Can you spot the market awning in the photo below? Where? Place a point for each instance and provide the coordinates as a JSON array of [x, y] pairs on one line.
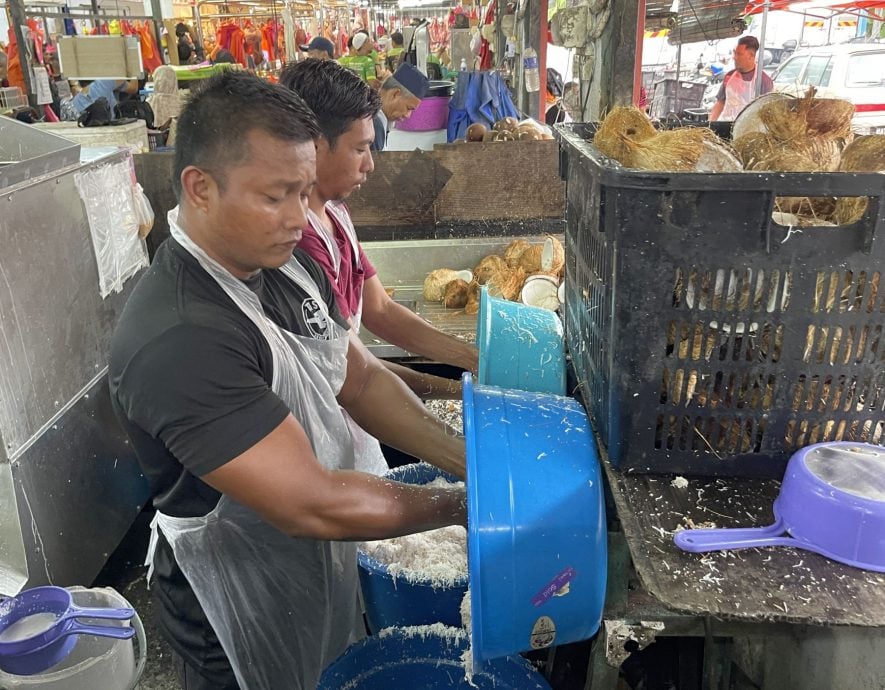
[[707, 20], [756, 6]]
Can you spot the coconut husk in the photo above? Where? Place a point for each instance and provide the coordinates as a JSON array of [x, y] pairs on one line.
[[514, 250], [530, 260], [786, 159], [456, 293], [552, 256], [753, 147], [864, 154], [678, 149], [472, 306], [622, 123], [819, 207], [849, 210], [487, 267], [435, 283], [830, 118], [786, 120], [507, 283]]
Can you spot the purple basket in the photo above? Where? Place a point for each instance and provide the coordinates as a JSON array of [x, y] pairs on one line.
[[432, 113]]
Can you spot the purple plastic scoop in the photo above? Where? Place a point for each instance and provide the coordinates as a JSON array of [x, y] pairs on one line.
[[832, 502]]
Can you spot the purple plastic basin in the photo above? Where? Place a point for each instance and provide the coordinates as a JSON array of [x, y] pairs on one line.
[[832, 502], [45, 648], [432, 113]]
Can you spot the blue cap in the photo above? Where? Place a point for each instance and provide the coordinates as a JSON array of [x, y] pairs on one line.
[[411, 79], [320, 43]]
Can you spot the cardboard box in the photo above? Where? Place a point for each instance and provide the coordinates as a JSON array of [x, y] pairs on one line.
[[100, 57]]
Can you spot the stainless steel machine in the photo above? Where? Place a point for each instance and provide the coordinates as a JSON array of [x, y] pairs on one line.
[[69, 483]]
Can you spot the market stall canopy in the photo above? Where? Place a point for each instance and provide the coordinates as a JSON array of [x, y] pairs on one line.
[[757, 6], [695, 20]]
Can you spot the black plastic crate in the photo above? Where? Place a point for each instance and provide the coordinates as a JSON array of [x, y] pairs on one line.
[[675, 96], [708, 339]]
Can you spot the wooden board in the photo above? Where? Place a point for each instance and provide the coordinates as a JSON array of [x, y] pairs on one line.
[[100, 57], [758, 585]]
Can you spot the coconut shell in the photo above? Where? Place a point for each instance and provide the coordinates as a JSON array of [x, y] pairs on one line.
[[456, 294], [489, 135], [487, 267], [785, 159], [622, 123], [864, 154], [552, 256], [435, 283], [530, 259], [507, 283], [785, 119], [677, 150], [506, 124], [514, 250], [717, 157], [476, 131]]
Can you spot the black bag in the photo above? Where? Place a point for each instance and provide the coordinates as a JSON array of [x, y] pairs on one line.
[[97, 114], [137, 109]]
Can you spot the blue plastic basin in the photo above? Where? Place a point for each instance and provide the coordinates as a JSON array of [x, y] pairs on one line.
[[394, 601], [402, 660], [520, 346], [536, 539]]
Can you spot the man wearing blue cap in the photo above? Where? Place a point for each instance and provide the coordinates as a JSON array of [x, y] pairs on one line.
[[320, 48], [400, 95]]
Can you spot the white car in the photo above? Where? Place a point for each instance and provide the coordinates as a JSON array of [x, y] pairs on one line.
[[853, 71]]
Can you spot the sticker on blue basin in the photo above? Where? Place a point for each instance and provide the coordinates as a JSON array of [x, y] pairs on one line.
[[554, 587]]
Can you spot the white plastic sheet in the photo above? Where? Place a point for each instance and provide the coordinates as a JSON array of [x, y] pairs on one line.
[[108, 195]]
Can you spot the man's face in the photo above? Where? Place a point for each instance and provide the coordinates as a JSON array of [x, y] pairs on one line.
[[744, 58], [257, 217], [318, 54], [397, 104], [342, 169], [365, 48]]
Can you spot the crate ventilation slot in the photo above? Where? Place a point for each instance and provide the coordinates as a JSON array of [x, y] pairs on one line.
[[732, 290]]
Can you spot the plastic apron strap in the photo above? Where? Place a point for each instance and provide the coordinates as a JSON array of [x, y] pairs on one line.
[[152, 548]]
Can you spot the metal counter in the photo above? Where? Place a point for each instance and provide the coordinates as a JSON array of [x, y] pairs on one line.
[[403, 265], [69, 482]]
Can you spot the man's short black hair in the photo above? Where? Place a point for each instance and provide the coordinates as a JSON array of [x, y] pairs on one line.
[[215, 122], [397, 38], [750, 42], [336, 95]]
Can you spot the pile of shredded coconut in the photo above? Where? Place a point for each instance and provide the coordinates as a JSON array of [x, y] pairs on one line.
[[438, 557], [449, 411]]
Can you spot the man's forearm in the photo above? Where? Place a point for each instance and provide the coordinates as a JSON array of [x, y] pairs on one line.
[[426, 386], [403, 328], [392, 413], [716, 111]]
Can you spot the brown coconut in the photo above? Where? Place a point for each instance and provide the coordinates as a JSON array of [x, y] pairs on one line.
[[530, 259], [820, 207], [506, 124], [507, 283], [435, 283], [754, 147], [472, 306], [864, 154], [677, 150], [622, 123], [514, 250], [830, 117], [456, 294], [786, 119], [487, 267]]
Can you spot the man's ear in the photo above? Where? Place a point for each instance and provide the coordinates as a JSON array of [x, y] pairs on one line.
[[198, 187]]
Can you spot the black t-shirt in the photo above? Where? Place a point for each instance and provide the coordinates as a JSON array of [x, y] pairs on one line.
[[190, 374]]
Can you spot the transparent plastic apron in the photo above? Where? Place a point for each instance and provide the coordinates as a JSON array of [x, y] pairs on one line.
[[367, 451], [283, 608], [738, 95]]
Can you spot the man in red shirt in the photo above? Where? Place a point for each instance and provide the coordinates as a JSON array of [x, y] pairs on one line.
[[739, 85], [345, 107]]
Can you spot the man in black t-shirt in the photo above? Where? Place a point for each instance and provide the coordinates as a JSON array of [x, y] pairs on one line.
[[194, 376]]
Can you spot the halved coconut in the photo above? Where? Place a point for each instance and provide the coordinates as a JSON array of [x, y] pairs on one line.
[[540, 291], [552, 256]]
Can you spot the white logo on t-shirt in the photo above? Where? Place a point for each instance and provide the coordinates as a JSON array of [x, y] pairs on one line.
[[316, 319]]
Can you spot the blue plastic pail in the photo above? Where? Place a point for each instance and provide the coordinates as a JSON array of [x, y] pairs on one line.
[[536, 533], [394, 601], [520, 346], [407, 660]]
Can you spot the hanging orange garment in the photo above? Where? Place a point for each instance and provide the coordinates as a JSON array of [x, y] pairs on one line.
[[237, 46], [150, 53], [14, 73]]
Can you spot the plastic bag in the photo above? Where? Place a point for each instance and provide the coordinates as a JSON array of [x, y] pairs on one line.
[[144, 213]]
